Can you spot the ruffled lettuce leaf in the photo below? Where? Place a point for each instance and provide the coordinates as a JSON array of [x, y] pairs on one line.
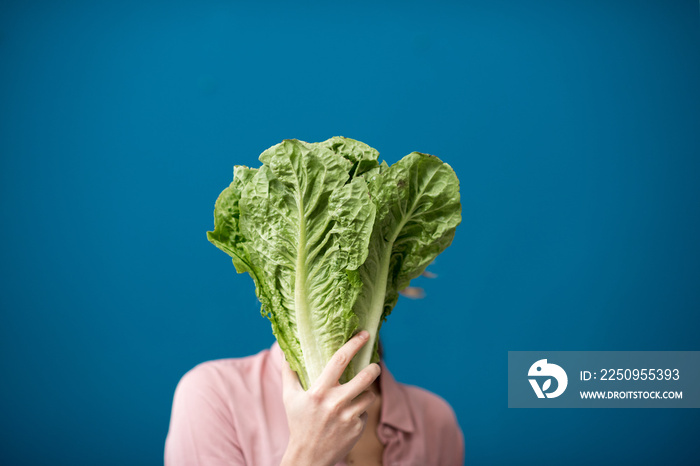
[[418, 210], [304, 232]]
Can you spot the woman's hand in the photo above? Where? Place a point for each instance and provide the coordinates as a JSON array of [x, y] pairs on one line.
[[326, 421]]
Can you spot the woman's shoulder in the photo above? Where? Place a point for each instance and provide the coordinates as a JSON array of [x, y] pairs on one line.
[[217, 407], [226, 374]]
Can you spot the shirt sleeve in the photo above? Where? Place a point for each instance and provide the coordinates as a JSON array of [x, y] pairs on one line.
[[201, 427]]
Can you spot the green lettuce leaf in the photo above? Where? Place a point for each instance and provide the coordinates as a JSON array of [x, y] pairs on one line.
[[418, 209], [363, 157], [306, 231]]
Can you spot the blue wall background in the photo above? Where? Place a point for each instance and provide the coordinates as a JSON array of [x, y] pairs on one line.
[[574, 128]]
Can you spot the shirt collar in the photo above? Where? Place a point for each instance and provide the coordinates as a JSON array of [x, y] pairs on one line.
[[396, 411]]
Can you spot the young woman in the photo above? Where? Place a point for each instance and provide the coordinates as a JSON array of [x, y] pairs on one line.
[[253, 411]]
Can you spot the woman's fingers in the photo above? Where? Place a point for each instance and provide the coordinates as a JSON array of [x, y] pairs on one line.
[[361, 382], [360, 404], [336, 366]]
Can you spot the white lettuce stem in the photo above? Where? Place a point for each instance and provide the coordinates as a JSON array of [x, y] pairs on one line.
[[376, 309], [313, 358]]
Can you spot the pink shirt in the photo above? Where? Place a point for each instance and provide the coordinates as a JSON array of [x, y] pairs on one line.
[[230, 412]]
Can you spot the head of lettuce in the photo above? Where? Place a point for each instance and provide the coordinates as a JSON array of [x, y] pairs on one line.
[[330, 236]]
